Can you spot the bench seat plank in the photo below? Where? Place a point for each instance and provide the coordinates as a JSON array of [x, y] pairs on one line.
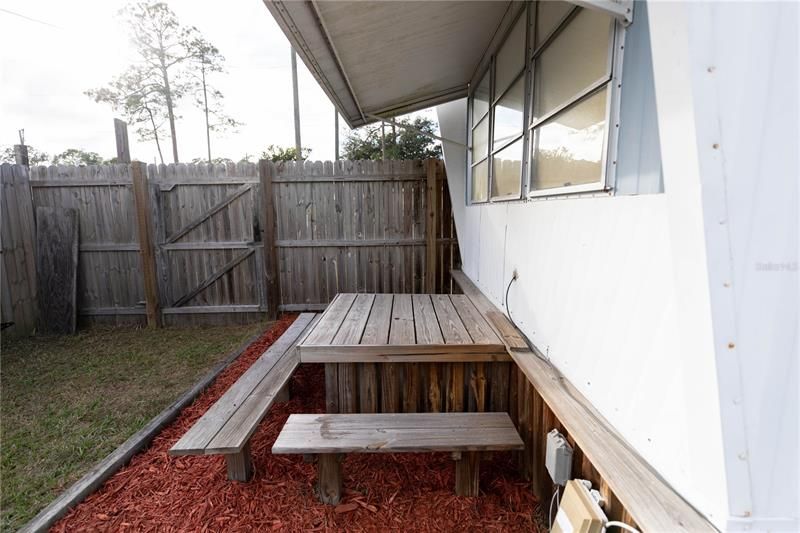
[[197, 439], [403, 432]]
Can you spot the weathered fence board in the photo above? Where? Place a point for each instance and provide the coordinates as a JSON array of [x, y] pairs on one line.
[[18, 267], [57, 269], [103, 196]]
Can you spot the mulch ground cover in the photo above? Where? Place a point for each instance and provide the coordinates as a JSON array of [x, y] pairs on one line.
[[403, 492]]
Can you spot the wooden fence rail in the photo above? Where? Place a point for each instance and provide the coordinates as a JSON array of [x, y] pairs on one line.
[[186, 243]]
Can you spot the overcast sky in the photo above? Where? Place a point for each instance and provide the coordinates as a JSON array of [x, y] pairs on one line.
[[49, 62]]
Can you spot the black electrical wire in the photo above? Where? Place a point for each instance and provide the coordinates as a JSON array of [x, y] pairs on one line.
[[531, 347]]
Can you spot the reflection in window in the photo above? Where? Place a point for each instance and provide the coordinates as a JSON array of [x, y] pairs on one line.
[[480, 182], [507, 168], [480, 103], [550, 14], [480, 140], [573, 61], [511, 57], [508, 114], [568, 149]]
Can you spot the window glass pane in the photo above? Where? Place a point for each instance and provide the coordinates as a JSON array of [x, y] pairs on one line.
[[507, 167], [508, 114], [511, 57], [568, 149], [549, 15], [573, 61], [480, 140], [480, 102], [480, 181]]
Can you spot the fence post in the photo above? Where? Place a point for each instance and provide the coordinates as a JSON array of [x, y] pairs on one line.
[[267, 228], [144, 224], [432, 166], [121, 137], [21, 154]]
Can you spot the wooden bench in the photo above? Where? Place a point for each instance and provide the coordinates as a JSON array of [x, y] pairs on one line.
[[226, 428], [329, 436]]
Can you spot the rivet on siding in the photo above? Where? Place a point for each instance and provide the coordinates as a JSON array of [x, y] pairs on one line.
[[742, 456], [726, 284], [715, 146], [736, 401], [711, 69], [731, 346]]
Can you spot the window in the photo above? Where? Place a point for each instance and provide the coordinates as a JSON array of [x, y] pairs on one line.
[[555, 138], [571, 73], [480, 141], [497, 155]]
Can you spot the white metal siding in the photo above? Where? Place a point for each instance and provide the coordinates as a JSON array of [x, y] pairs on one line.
[[638, 154]]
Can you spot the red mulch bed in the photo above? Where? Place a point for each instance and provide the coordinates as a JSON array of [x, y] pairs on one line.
[[156, 492]]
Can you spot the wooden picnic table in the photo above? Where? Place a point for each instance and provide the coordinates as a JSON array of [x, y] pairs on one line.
[[368, 328], [434, 350]]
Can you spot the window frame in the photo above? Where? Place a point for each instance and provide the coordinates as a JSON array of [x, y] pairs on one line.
[[612, 79]]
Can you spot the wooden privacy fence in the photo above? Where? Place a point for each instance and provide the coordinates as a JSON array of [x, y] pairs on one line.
[[361, 226], [185, 243]]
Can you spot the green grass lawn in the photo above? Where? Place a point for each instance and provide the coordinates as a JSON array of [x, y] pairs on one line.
[[67, 402]]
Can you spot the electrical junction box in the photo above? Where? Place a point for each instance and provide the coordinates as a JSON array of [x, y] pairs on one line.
[[578, 512], [558, 458]]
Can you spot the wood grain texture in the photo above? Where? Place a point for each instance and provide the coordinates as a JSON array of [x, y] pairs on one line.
[[145, 233], [329, 480], [18, 304], [399, 432], [57, 269], [228, 424]]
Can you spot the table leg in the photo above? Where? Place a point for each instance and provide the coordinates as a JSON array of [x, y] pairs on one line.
[[329, 484], [240, 465], [467, 473]]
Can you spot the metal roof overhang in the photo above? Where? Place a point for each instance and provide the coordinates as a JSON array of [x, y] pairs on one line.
[[382, 59]]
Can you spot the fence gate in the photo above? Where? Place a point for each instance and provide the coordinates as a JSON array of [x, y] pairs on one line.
[[208, 253]]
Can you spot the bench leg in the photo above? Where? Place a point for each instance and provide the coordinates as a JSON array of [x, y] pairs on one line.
[[240, 465], [283, 394], [329, 484], [467, 473]]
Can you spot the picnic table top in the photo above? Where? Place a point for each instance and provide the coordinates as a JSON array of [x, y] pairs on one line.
[[401, 328]]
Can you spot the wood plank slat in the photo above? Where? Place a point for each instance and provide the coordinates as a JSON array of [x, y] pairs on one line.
[[378, 324], [453, 330], [389, 433], [206, 428], [479, 330], [426, 324], [402, 326], [352, 328], [331, 320], [415, 353]]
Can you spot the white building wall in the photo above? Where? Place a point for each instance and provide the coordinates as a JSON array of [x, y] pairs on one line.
[[598, 294], [727, 77], [676, 313]]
